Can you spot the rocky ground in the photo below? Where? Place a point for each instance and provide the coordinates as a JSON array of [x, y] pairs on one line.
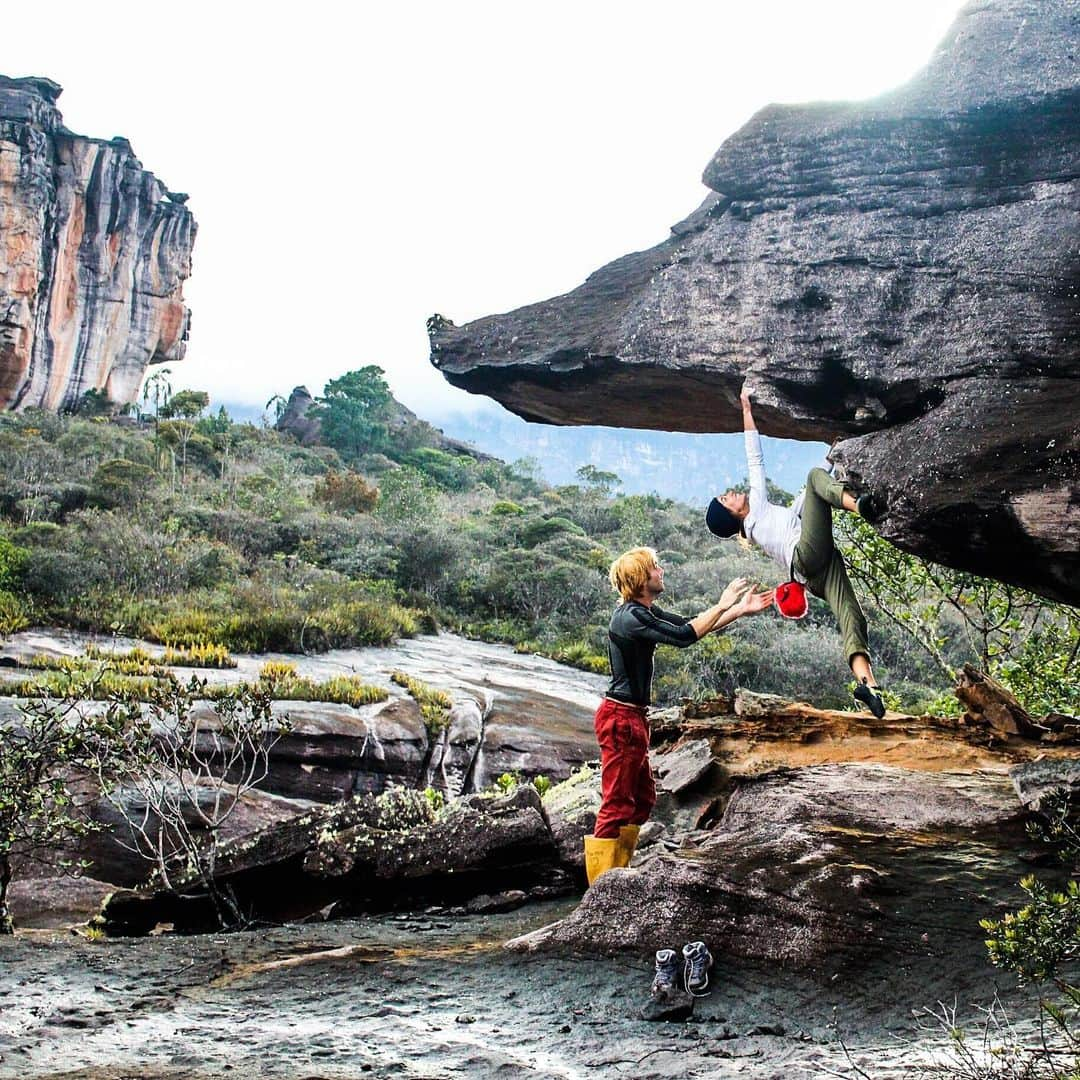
[[837, 865], [427, 996]]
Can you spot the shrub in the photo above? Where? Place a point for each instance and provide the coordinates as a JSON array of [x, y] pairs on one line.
[[450, 472], [536, 532], [121, 483], [346, 492], [14, 613]]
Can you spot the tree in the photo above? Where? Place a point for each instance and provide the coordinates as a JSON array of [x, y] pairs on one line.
[[94, 403], [603, 482], [40, 756], [188, 404], [158, 389], [180, 413], [188, 775], [279, 405], [354, 412], [1027, 643]]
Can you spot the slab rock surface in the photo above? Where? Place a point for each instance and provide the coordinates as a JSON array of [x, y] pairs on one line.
[[900, 274], [94, 251]]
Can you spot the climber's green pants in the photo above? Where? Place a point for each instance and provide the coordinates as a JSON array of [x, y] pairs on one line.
[[817, 559]]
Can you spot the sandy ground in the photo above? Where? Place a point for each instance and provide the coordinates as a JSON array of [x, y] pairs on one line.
[[425, 996]]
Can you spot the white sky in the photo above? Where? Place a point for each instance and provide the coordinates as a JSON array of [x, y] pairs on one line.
[[354, 168]]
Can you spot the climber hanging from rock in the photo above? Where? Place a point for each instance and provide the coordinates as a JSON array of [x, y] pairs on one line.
[[800, 539], [638, 625]]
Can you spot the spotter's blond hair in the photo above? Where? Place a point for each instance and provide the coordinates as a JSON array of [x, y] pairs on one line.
[[630, 571]]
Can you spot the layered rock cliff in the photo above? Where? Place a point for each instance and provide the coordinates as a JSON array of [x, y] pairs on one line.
[[93, 256], [901, 274]]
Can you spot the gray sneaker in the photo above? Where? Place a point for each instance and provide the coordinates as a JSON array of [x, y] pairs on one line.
[[697, 962], [666, 979]]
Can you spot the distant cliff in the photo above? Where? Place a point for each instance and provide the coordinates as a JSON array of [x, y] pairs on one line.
[[690, 468], [93, 256]]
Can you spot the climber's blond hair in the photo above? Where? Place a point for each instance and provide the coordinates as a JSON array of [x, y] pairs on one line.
[[630, 571]]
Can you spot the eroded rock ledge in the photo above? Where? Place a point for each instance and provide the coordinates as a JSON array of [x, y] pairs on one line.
[[783, 833], [900, 273], [94, 252]]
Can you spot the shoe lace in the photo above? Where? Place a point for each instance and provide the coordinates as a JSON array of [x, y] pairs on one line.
[[697, 968]]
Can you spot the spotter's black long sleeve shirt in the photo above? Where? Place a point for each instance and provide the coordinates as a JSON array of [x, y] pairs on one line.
[[633, 635]]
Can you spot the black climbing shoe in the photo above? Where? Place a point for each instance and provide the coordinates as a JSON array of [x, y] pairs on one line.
[[870, 696], [697, 961], [666, 980], [869, 508]]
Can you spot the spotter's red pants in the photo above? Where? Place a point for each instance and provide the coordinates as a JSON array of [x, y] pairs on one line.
[[626, 784]]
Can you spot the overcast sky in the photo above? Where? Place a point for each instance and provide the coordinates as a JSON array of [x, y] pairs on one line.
[[354, 168]]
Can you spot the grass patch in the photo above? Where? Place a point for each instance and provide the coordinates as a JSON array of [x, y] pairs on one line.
[[434, 704], [577, 654], [280, 680], [199, 656], [80, 684], [96, 685]]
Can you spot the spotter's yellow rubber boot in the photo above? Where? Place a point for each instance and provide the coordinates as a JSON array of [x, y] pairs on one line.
[[628, 835], [601, 855]]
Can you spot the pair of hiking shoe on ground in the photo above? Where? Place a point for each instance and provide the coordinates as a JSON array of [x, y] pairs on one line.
[[689, 972]]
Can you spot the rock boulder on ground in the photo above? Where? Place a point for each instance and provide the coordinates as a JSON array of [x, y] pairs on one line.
[[815, 867], [370, 853]]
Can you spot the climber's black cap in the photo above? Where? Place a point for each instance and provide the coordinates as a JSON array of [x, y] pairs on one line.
[[721, 520]]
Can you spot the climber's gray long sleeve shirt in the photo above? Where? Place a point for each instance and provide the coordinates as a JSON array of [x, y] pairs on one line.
[[775, 529]]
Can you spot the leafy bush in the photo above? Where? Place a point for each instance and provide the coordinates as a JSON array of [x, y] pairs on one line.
[[450, 472], [346, 492], [120, 482], [14, 613], [536, 532]]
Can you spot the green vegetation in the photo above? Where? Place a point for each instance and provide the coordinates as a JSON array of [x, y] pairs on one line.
[[434, 704], [234, 538], [135, 675], [280, 680], [39, 810], [1028, 644]]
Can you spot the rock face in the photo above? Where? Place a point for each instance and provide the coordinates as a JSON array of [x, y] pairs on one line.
[[366, 854], [93, 256], [900, 273]]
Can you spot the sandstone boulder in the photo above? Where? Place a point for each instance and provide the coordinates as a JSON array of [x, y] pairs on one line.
[[366, 854], [898, 273], [818, 867]]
